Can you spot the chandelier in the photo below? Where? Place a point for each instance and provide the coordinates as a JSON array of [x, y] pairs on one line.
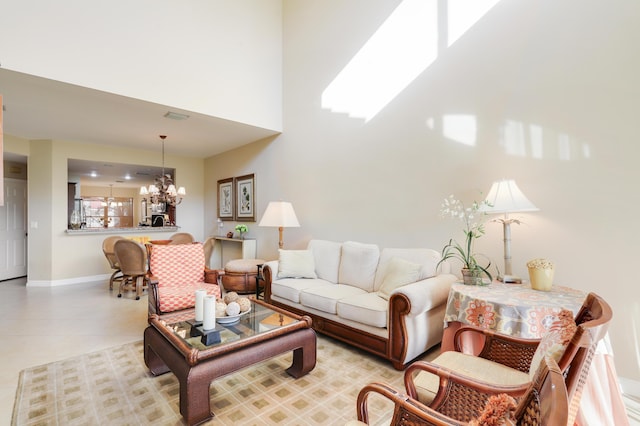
[[163, 190]]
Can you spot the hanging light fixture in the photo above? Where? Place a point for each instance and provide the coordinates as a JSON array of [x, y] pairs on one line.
[[163, 190]]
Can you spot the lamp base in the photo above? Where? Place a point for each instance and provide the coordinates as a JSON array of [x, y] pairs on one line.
[[510, 279]]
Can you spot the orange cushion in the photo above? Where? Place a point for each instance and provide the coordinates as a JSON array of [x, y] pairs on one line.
[[175, 298], [177, 264], [555, 341]]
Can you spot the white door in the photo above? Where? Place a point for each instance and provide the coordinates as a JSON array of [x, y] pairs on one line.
[[13, 230]]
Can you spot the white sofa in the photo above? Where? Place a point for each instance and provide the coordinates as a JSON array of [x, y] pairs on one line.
[[390, 302]]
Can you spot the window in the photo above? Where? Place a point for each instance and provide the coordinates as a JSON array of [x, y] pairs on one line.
[[108, 212]]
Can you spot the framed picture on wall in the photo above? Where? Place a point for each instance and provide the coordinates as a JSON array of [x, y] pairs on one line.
[[245, 198], [225, 198]]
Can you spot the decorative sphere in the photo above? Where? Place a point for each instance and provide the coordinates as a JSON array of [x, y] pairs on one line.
[[221, 309], [233, 309], [232, 296], [244, 303]]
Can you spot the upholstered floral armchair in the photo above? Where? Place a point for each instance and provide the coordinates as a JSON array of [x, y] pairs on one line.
[[177, 271]]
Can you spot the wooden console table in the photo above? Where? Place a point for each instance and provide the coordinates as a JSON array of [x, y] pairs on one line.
[[226, 249]]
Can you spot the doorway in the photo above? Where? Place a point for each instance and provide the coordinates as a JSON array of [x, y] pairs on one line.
[[13, 230]]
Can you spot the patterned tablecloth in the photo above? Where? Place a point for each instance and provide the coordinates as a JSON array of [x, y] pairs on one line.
[[514, 309]]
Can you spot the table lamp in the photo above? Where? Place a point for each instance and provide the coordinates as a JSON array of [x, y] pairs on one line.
[[280, 214], [505, 197]]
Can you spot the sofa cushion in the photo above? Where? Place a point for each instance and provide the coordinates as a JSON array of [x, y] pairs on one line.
[[477, 368], [296, 264], [398, 273], [325, 299], [427, 258], [367, 308], [327, 258], [358, 265], [175, 298], [290, 288]]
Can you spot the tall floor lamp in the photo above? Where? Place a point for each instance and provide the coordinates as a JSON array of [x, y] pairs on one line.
[[505, 197], [280, 214]]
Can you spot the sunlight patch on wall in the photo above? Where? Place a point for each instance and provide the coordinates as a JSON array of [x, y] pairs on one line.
[[400, 50], [532, 140], [404, 45], [463, 14], [537, 144], [513, 138], [460, 128]]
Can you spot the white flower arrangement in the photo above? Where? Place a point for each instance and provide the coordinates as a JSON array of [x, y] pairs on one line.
[[473, 229]]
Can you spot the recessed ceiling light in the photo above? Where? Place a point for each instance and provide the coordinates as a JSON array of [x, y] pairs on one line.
[[176, 116]]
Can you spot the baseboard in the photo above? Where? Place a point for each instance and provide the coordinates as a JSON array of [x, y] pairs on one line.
[[629, 386], [67, 281]]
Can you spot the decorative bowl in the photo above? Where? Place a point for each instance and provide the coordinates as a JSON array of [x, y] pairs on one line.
[[231, 319]]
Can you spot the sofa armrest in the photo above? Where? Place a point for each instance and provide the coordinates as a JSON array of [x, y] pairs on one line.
[[269, 273], [428, 293]]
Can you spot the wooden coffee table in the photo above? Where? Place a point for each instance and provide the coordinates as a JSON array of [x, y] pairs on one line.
[[263, 333]]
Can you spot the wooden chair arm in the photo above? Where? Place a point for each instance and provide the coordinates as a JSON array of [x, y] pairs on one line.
[[458, 396], [514, 352], [212, 276], [406, 409]]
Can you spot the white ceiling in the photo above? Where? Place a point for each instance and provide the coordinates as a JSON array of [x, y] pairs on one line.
[[39, 108]]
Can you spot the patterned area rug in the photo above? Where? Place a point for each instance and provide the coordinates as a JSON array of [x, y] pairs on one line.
[[114, 387]]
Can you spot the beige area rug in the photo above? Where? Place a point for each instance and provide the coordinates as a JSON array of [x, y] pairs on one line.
[[114, 387]]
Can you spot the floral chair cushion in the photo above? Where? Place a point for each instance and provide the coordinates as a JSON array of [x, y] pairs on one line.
[[555, 341]]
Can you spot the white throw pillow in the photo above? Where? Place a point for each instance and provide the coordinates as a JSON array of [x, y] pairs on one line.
[[296, 264], [399, 272]]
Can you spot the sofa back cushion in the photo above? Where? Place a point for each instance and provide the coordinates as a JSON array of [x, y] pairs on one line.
[[358, 265], [326, 255], [427, 258], [175, 265], [399, 273]]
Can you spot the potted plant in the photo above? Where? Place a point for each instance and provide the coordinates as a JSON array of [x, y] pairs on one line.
[[242, 229], [472, 271]]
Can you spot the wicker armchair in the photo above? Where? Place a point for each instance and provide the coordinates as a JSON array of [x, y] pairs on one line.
[[544, 402], [503, 363], [109, 252], [132, 259], [181, 238], [177, 271]]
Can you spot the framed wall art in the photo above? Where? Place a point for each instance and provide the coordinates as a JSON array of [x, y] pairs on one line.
[[245, 198], [225, 199]]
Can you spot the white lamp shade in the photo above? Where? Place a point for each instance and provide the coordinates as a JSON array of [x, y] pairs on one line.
[[143, 190], [279, 214], [506, 197]]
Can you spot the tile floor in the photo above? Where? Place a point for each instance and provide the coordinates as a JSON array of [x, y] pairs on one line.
[[42, 325]]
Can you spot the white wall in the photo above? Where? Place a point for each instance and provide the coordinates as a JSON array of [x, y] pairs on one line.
[[553, 91], [217, 58]]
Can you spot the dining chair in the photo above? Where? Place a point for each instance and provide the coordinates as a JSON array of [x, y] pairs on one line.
[[181, 238], [544, 402], [209, 245], [132, 258], [504, 362], [108, 250]]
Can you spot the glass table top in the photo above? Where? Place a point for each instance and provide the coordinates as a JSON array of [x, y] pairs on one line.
[[259, 320]]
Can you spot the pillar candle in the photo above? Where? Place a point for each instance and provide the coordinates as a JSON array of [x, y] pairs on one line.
[[200, 294], [209, 320]]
